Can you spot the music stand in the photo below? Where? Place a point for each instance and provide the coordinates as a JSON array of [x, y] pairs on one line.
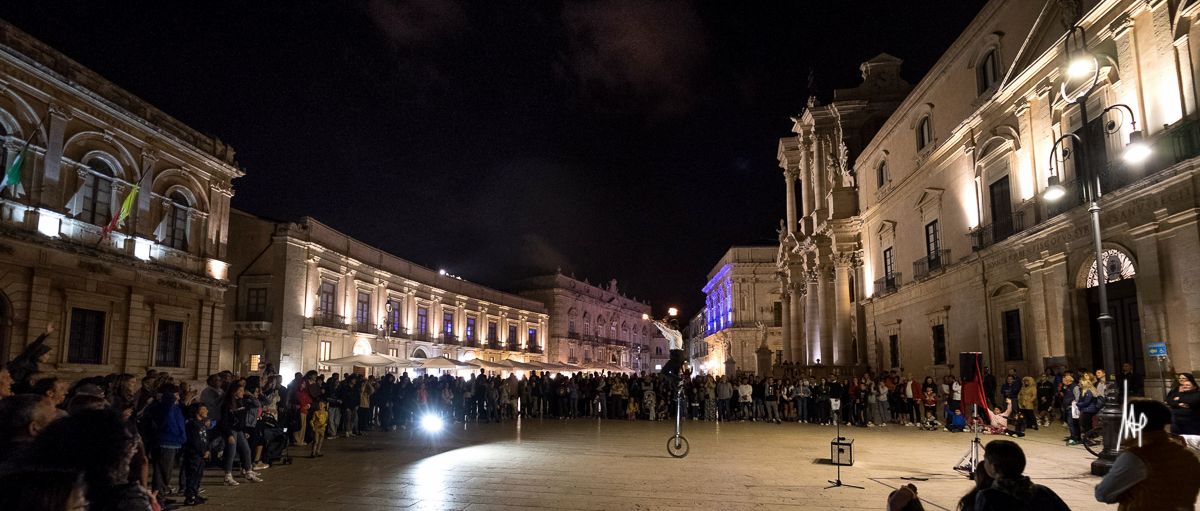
[[835, 405]]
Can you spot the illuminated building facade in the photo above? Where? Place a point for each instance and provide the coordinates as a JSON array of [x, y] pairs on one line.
[[594, 327], [149, 294], [742, 291], [954, 184], [308, 293]]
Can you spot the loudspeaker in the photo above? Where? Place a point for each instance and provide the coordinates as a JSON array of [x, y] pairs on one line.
[[968, 363], [841, 451]]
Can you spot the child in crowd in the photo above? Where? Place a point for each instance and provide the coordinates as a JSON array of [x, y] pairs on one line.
[[958, 423], [319, 419], [631, 410], [195, 451], [931, 423]]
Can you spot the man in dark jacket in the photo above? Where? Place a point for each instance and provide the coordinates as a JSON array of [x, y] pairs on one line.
[[1005, 462], [195, 451], [166, 417], [989, 388]]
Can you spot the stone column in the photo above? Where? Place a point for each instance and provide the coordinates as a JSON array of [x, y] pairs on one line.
[[812, 312], [785, 299], [789, 178], [1130, 89], [820, 190], [842, 351], [825, 300], [799, 352], [806, 186]]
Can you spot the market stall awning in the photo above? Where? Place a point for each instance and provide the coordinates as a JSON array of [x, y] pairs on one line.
[[371, 360]]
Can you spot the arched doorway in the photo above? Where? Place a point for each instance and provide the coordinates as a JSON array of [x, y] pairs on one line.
[[419, 353], [1120, 271]]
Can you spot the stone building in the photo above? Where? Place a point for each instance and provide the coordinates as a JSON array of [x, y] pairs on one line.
[[741, 307], [820, 242], [152, 292], [954, 183], [591, 326], [307, 293]]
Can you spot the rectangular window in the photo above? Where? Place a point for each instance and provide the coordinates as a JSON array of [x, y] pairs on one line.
[[326, 353], [1014, 349], [393, 315], [492, 336], [86, 344], [168, 351], [256, 304], [778, 312], [325, 299], [422, 320], [470, 329], [933, 245], [448, 323], [255, 360], [532, 342], [571, 326], [362, 309], [511, 341], [393, 352], [894, 344], [889, 263], [1002, 215], [939, 344]]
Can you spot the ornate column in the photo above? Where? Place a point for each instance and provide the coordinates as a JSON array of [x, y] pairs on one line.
[[842, 351], [798, 286], [812, 312], [825, 301], [789, 177], [785, 299], [806, 163]]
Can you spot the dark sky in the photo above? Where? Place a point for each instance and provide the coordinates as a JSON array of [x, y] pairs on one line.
[[626, 139]]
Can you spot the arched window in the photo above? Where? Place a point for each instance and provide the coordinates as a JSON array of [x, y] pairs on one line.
[[987, 72], [177, 227], [924, 133], [97, 193], [881, 174]]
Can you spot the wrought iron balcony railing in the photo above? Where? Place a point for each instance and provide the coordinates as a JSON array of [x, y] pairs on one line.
[[888, 284], [365, 328], [329, 321], [924, 266]]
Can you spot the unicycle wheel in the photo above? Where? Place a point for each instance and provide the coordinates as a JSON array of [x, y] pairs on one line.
[[677, 446]]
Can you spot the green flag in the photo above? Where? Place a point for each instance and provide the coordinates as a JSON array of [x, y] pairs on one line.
[[12, 176]]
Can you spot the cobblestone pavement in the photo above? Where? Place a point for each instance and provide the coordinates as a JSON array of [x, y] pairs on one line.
[[594, 465]]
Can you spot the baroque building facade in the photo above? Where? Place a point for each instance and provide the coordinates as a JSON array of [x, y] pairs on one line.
[[151, 293], [741, 326], [595, 327], [307, 293], [954, 183], [819, 256]]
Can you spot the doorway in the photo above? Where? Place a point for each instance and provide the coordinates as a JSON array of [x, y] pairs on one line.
[[1127, 329]]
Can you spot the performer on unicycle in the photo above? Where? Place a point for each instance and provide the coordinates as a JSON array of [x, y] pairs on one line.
[[674, 337]]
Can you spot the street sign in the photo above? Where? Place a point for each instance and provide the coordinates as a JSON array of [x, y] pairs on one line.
[[1157, 349]]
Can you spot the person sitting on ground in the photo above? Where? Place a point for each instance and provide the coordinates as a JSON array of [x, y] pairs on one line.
[[930, 423], [1151, 474], [958, 423], [1005, 462]]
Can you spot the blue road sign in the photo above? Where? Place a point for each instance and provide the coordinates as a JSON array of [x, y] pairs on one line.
[[1157, 349]]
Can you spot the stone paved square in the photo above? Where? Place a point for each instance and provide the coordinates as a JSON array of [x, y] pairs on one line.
[[596, 465]]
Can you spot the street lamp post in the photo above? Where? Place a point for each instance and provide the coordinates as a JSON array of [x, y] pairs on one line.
[[1084, 65]]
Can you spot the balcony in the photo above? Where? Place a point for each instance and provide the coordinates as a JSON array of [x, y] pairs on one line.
[[573, 360], [365, 328], [572, 335], [423, 337], [888, 284], [252, 322], [924, 266], [329, 321], [395, 331], [450, 339], [493, 343], [471, 342], [990, 234], [533, 348], [589, 338]]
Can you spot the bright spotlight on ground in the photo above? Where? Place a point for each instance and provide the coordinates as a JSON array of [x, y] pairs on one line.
[[431, 423]]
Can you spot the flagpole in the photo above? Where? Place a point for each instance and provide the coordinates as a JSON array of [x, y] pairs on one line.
[[15, 168], [117, 216]]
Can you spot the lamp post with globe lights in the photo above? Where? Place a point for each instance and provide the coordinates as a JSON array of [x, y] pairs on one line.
[[1083, 73]]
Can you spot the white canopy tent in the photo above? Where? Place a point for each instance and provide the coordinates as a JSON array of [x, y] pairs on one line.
[[370, 360]]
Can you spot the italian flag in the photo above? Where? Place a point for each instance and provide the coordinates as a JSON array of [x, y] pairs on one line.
[[118, 219], [12, 175]]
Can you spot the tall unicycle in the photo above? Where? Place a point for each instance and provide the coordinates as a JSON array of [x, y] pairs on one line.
[[677, 446]]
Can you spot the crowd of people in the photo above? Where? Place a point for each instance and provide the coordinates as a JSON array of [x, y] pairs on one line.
[[126, 442]]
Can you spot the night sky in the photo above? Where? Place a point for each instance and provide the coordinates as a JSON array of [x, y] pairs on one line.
[[620, 139]]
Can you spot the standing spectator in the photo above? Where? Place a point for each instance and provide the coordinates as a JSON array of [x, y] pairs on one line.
[[300, 401], [1045, 398], [1184, 401], [319, 418], [52, 390], [1152, 473], [771, 400], [195, 451], [955, 395], [233, 428], [1009, 390], [1005, 462], [1088, 403], [1070, 411], [989, 386], [367, 389], [1135, 381], [1027, 400], [212, 396], [22, 417], [169, 436], [724, 394], [801, 394], [746, 399], [334, 405]]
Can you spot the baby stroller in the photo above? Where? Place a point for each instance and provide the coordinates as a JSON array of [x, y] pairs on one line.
[[275, 441]]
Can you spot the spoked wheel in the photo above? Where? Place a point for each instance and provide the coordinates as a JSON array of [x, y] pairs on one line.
[[1093, 441], [677, 446]]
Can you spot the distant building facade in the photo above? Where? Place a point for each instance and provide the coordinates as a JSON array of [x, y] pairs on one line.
[[953, 183], [307, 293], [594, 327], [150, 294], [741, 307]]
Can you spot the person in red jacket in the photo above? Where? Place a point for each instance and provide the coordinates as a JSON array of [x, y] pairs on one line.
[[301, 402]]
